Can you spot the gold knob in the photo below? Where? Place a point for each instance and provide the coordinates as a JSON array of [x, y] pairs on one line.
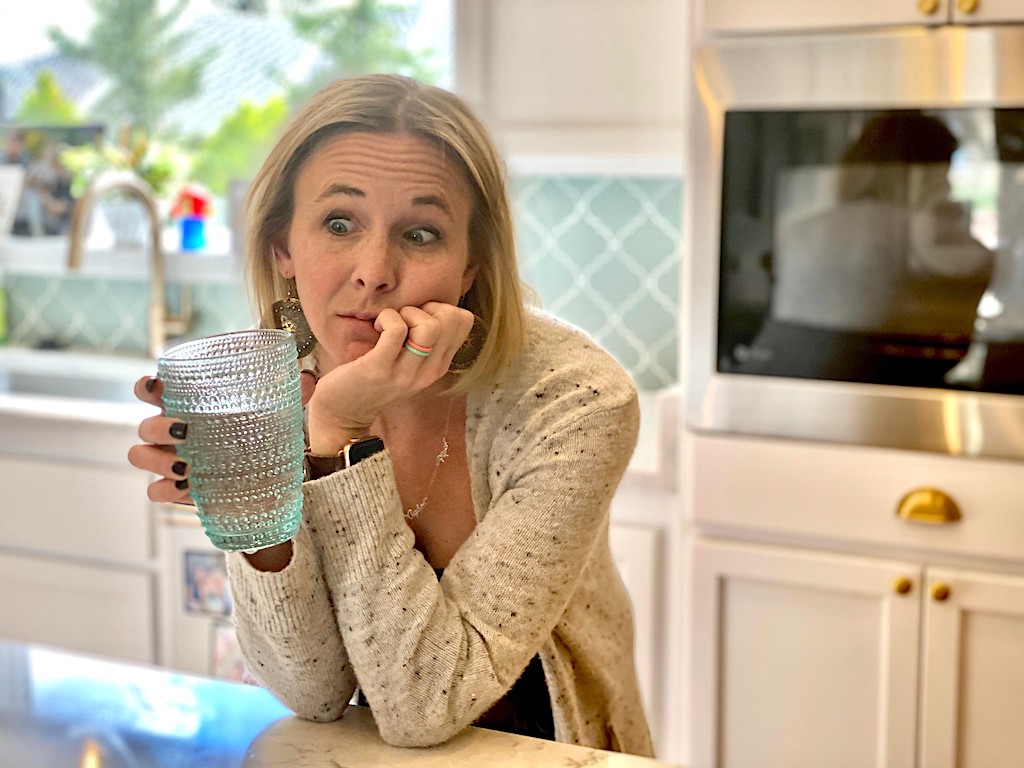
[[928, 505], [967, 6], [902, 585], [928, 7], [940, 592]]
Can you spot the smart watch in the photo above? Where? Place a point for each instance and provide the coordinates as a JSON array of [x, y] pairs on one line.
[[354, 451]]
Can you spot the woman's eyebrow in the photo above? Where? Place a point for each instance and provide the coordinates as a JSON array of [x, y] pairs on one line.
[[340, 189], [434, 200]]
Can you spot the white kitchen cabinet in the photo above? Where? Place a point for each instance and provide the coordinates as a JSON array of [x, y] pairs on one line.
[[576, 77], [828, 630], [637, 553], [802, 659], [755, 16], [973, 692], [806, 658], [77, 560], [91, 608]]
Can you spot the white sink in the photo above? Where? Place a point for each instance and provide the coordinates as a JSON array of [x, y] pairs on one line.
[[71, 374]]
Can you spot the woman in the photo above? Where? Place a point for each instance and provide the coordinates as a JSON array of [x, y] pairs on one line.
[[456, 565]]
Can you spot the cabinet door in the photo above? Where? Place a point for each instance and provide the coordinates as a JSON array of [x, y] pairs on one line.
[[973, 670], [577, 77], [986, 11], [739, 16], [802, 659], [636, 552], [105, 611]]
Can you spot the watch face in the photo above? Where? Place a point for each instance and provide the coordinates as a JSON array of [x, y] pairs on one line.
[[364, 449]]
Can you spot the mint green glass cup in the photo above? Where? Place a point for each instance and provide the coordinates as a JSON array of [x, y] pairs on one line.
[[240, 394]]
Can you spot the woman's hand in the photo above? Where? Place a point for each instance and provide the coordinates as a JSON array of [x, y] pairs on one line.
[[156, 455], [161, 434], [348, 399]]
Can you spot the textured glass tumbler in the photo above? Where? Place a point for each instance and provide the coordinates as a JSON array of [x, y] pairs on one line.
[[240, 394]]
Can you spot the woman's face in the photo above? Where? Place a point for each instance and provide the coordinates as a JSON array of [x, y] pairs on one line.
[[381, 220]]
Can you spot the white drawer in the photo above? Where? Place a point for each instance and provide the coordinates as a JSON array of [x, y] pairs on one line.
[[95, 511], [106, 611], [849, 495]]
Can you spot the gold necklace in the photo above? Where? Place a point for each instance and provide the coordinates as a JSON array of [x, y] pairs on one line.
[[413, 512]]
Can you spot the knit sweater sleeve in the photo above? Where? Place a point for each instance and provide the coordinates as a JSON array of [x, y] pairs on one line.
[[287, 633], [431, 656]]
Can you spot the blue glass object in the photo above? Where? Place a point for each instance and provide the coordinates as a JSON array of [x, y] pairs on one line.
[[193, 233], [240, 394]]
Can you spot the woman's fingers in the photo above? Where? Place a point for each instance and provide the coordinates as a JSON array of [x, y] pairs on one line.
[[163, 430], [169, 491], [149, 389], [161, 460], [455, 324], [307, 380]]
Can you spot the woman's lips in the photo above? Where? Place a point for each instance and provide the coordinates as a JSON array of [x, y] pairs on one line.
[[359, 323]]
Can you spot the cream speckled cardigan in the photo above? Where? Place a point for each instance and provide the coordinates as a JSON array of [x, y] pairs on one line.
[[546, 451]]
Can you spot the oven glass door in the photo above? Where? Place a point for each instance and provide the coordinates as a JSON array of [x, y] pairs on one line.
[[879, 246]]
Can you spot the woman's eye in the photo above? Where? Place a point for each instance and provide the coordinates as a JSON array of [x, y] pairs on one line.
[[423, 235], [339, 225]]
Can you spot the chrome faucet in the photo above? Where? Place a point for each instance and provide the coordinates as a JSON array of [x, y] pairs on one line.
[[162, 323]]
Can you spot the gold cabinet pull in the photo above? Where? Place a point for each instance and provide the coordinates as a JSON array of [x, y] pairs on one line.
[[928, 505], [928, 7], [940, 592], [967, 6], [901, 585]]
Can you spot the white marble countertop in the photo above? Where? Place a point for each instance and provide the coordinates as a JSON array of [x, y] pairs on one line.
[[58, 709], [353, 742]]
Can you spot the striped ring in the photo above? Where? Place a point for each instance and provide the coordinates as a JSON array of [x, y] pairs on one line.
[[416, 349]]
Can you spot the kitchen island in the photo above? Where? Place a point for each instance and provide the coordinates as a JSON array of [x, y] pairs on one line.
[[62, 709]]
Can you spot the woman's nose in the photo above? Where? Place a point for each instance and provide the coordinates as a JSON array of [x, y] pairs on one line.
[[375, 267]]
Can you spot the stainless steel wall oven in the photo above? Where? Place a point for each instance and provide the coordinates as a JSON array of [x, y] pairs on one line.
[[856, 239]]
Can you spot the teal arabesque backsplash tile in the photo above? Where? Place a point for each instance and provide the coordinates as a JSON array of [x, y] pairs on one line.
[[603, 252], [109, 314]]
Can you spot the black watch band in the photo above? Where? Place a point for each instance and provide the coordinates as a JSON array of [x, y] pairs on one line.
[[354, 451]]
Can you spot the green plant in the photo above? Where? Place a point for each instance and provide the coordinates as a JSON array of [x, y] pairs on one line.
[[136, 43], [238, 146], [46, 103], [160, 165]]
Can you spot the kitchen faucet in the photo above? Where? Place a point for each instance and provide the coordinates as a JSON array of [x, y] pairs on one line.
[[162, 323]]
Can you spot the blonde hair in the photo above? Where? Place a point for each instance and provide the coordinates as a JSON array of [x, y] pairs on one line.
[[396, 104]]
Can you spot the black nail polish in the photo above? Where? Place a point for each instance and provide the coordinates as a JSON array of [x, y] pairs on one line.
[[179, 430], [150, 383], [181, 485], [179, 468]]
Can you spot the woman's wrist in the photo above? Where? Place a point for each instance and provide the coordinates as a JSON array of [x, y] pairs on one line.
[[271, 559]]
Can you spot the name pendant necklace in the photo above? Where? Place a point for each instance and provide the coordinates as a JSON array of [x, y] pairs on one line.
[[413, 512]]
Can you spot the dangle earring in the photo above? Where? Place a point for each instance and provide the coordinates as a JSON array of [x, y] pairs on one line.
[[467, 354], [288, 316]]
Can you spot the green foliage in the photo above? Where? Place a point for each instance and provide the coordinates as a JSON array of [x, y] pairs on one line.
[[132, 42], [159, 164], [362, 37], [239, 145], [46, 104]]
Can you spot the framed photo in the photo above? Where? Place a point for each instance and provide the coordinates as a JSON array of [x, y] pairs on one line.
[[206, 583]]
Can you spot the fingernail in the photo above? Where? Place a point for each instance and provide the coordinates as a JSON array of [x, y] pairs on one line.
[[179, 468], [181, 485], [178, 430], [150, 383]]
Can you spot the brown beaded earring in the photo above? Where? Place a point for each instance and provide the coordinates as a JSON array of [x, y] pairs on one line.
[[288, 316], [470, 349]]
